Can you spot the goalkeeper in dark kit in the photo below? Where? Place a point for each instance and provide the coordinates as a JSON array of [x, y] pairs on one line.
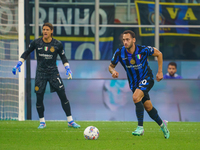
[[47, 48]]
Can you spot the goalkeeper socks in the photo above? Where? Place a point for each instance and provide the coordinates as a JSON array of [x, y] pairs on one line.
[[139, 112], [40, 105], [69, 118], [42, 119], [64, 102], [154, 115]]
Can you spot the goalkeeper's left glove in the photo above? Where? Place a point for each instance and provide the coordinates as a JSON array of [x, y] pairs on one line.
[[17, 67], [69, 72]]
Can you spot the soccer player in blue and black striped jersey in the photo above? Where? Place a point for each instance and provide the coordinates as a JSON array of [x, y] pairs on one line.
[[134, 60]]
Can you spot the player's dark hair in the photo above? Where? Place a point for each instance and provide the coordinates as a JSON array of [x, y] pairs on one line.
[[130, 32], [48, 25], [172, 64]]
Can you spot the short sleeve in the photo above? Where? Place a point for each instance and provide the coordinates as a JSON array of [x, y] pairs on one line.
[[115, 58], [150, 50]]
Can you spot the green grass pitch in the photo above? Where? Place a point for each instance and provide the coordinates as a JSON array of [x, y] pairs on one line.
[[24, 135]]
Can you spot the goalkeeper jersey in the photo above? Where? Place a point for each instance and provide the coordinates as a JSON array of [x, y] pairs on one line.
[[46, 54], [135, 65]]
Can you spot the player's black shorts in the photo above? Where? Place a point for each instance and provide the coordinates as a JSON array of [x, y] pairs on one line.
[[54, 80], [145, 85]]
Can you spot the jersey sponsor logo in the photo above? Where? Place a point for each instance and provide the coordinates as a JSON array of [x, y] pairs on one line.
[[136, 67], [46, 56], [52, 49], [46, 48], [132, 61]]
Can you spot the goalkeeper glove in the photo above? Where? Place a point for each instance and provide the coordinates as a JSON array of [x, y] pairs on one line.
[[69, 72], [14, 70]]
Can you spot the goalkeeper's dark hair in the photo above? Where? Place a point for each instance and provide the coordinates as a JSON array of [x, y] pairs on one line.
[[130, 32], [172, 64], [48, 25]]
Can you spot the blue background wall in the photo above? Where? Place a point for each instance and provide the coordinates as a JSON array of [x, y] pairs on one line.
[[94, 96]]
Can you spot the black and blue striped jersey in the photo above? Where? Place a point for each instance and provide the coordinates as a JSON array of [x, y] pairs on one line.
[[135, 65]]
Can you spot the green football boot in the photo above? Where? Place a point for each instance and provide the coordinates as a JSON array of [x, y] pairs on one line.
[[165, 130], [139, 131]]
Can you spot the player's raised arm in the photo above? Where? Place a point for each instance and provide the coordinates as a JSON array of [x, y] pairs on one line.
[[112, 70], [159, 56]]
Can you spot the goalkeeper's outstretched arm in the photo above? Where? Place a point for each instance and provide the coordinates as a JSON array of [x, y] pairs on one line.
[[23, 58]]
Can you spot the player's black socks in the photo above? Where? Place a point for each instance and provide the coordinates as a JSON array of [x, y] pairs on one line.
[[139, 112], [40, 105], [154, 115], [64, 102]]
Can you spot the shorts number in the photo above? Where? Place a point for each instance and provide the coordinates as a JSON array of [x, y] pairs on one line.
[[59, 80], [144, 82]]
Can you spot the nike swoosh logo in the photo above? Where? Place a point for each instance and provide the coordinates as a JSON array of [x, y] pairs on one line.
[[39, 48]]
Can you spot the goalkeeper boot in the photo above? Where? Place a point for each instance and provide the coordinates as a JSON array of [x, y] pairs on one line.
[[164, 129], [139, 131], [73, 124], [42, 125]]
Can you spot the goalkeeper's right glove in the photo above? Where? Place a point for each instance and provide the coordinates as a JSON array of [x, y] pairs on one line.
[[17, 67]]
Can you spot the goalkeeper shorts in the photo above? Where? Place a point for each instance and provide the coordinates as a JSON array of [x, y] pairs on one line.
[[54, 80]]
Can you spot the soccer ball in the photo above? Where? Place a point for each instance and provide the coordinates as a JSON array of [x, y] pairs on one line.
[[91, 133]]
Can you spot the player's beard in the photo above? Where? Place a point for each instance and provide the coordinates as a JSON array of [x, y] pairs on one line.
[[128, 48]]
